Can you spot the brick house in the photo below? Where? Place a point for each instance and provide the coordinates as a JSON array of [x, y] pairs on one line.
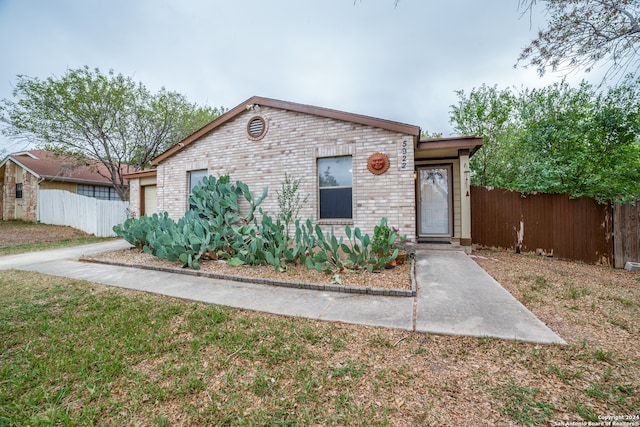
[[356, 169], [24, 174]]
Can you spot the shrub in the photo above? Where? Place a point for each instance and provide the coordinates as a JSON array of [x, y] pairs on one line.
[[383, 243], [290, 201], [216, 226]]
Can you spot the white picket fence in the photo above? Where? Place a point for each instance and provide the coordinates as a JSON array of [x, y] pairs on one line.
[[88, 214]]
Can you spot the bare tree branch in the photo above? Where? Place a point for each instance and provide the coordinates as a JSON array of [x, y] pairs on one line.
[[584, 33]]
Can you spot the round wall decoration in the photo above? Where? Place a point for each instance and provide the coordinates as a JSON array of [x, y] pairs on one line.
[[256, 128], [378, 163]]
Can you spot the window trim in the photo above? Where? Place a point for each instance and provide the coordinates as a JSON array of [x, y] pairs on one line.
[[190, 187], [450, 200], [19, 190], [333, 220], [189, 176]]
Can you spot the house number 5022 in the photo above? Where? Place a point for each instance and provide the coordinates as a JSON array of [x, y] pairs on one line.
[[403, 155]]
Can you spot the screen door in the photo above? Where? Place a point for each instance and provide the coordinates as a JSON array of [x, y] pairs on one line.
[[435, 200]]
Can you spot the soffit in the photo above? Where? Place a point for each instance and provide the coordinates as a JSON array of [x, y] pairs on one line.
[[446, 147]]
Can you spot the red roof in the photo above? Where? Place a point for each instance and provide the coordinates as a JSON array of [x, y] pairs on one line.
[[59, 167]]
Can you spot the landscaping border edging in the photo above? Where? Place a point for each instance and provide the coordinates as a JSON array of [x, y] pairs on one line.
[[387, 292]]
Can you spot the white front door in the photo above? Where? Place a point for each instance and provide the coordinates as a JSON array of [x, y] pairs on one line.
[[434, 190]]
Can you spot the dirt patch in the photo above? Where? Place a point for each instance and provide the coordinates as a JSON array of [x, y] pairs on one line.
[[396, 278], [580, 302], [14, 233]]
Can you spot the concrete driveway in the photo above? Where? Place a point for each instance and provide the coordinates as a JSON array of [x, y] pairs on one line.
[[455, 296]]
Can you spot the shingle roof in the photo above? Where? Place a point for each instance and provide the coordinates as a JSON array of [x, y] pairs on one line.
[[58, 167], [291, 106]]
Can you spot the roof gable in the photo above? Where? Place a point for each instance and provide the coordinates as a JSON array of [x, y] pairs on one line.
[[290, 106]]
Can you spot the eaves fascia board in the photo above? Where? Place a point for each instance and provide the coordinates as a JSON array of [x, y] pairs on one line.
[[290, 106], [17, 162], [141, 174], [78, 180]]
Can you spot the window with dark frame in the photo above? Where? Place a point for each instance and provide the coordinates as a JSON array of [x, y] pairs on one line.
[[335, 187], [19, 190], [97, 192]]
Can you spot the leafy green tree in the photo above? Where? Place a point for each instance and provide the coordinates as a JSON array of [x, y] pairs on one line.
[[425, 134], [583, 33], [105, 117], [487, 112], [559, 139], [581, 142]]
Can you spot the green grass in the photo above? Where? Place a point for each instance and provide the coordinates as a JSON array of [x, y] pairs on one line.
[[585, 412], [77, 353], [621, 324], [523, 405], [540, 283], [575, 293], [535, 289], [624, 301], [610, 388], [565, 375], [604, 356]]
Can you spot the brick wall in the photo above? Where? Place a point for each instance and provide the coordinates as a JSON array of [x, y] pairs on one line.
[[2, 191], [293, 143], [29, 197], [13, 175], [9, 191], [134, 197]]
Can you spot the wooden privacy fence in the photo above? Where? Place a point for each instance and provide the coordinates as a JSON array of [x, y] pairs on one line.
[[88, 214], [577, 229], [626, 234]]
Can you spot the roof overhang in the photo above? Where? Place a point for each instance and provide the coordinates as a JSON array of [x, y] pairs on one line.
[[17, 161], [441, 148], [141, 174], [24, 160], [77, 180], [290, 106]]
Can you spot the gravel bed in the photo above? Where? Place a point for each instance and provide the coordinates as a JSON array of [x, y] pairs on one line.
[[398, 278]]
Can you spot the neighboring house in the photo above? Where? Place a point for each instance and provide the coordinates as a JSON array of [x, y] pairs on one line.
[[356, 169], [23, 175]]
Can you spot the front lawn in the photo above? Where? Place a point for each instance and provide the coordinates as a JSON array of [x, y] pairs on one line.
[[77, 353]]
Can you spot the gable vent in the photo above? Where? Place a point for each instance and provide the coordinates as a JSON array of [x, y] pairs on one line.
[[256, 128]]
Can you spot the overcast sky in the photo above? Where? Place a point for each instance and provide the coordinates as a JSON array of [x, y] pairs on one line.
[[369, 57]]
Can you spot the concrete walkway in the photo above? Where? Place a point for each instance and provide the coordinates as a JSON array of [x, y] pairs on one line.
[[455, 296]]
